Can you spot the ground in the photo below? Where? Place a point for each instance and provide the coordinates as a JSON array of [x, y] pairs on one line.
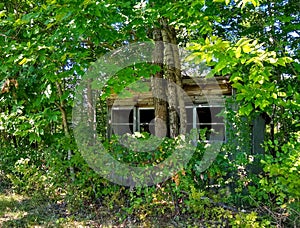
[[17, 210]]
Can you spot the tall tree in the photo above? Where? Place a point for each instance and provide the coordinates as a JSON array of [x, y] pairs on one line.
[[158, 87], [46, 47]]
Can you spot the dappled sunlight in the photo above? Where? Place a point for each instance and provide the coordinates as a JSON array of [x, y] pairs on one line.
[[149, 113], [11, 207]]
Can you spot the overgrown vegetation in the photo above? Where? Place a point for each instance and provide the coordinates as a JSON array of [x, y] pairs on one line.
[[47, 46]]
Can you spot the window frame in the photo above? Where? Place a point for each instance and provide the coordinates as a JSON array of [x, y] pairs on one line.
[[112, 123], [138, 117], [194, 124], [207, 105]]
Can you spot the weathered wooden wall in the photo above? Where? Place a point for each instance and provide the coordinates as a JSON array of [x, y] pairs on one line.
[[199, 91]]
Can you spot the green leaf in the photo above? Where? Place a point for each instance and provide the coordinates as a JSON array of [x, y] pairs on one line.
[[220, 65], [281, 62], [257, 103], [193, 56], [23, 61], [297, 66], [261, 81], [255, 3], [237, 85], [65, 95], [242, 41], [2, 13], [272, 60], [238, 52], [246, 48], [264, 104], [246, 110], [281, 94]]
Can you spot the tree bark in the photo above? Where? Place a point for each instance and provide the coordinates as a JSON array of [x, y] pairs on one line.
[[158, 87], [62, 109], [178, 77], [177, 112], [91, 110], [171, 90]]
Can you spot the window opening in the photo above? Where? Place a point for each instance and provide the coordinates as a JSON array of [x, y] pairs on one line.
[[123, 121], [208, 117], [145, 119], [129, 120]]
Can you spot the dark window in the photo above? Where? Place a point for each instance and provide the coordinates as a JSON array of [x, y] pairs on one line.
[[208, 118], [126, 120], [146, 120], [122, 121]]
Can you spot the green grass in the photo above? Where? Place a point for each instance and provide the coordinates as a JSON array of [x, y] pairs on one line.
[[19, 211]]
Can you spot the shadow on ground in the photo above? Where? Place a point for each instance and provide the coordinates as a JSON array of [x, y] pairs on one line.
[[17, 210]]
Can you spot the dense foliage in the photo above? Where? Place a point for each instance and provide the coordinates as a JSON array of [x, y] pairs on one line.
[[47, 46]]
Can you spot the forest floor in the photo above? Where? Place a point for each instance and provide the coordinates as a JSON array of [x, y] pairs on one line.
[[17, 210], [20, 211]]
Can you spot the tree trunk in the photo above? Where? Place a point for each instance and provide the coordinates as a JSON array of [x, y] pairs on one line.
[[158, 87], [177, 112], [178, 77], [62, 109], [91, 110], [171, 90]]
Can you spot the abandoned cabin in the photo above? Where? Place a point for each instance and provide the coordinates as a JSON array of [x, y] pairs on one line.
[[134, 112]]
